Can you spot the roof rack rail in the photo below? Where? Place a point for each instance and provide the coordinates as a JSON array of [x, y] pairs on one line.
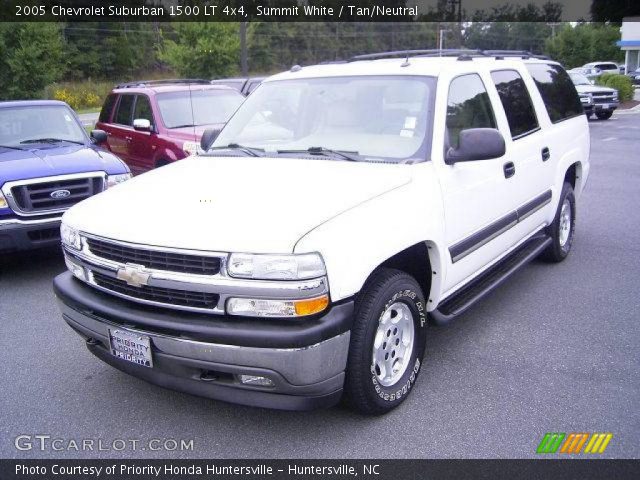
[[449, 52], [150, 83], [524, 54], [461, 53]]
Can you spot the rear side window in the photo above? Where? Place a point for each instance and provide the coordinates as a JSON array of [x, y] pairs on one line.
[[125, 109], [557, 91], [607, 66], [516, 101], [107, 108], [468, 106]]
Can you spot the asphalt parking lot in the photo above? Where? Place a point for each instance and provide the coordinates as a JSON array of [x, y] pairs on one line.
[[555, 350]]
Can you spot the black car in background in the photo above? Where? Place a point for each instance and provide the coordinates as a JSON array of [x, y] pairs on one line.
[[634, 76]]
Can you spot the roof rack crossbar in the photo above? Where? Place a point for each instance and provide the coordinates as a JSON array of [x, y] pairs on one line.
[[149, 83]]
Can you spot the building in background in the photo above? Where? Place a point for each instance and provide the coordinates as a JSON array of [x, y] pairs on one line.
[[630, 42]]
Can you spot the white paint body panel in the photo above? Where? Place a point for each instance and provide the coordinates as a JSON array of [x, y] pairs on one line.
[[357, 215]]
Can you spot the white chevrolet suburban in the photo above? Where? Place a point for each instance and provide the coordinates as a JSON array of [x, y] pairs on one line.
[[344, 207]]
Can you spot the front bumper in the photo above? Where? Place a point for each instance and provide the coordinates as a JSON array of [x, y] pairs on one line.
[[17, 234], [204, 354]]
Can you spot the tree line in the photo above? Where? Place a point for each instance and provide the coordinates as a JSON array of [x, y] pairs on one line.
[[34, 55]]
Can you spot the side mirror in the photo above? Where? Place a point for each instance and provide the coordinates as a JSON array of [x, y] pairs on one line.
[[208, 137], [476, 144], [98, 136], [142, 125]]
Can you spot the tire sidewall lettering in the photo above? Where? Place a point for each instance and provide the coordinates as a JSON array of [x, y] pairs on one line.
[[398, 391]]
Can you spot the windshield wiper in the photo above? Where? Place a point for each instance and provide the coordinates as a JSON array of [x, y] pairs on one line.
[[254, 152], [344, 154], [51, 140], [182, 126], [10, 147]]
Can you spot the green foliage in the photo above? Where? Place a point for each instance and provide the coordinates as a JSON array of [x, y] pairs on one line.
[[276, 46], [584, 43], [203, 49], [30, 58], [528, 36], [622, 83], [109, 50]]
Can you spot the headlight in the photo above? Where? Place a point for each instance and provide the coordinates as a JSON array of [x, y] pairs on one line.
[[587, 98], [70, 237], [256, 307], [192, 148], [3, 201], [113, 180], [276, 267]]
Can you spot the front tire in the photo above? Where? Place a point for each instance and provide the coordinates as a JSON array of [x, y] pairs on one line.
[[387, 342], [604, 115], [562, 230]]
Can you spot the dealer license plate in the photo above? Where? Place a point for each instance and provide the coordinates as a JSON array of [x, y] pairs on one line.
[[131, 347]]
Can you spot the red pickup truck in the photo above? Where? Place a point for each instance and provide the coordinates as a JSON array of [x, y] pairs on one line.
[[152, 123]]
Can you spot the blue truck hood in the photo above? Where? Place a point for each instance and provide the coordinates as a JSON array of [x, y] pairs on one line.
[[56, 160]]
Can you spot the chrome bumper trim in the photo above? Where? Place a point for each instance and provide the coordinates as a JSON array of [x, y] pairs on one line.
[[33, 221]]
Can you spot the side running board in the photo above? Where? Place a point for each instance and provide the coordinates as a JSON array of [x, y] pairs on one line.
[[462, 300]]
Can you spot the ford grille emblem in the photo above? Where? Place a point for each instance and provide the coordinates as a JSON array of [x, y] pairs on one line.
[[60, 194]]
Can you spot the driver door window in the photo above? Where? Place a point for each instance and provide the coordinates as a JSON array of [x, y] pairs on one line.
[[468, 106]]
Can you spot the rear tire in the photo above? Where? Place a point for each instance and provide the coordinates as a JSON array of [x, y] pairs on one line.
[[604, 115], [562, 230], [387, 342]]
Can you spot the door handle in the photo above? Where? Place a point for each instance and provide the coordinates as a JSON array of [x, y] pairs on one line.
[[509, 169], [546, 154]]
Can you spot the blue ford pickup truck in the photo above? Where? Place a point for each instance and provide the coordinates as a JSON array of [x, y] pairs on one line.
[[47, 164]]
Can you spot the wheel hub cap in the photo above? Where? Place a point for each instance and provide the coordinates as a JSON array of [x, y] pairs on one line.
[[393, 344], [565, 223]]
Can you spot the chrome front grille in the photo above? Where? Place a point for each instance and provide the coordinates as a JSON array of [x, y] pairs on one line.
[[48, 195], [604, 97], [170, 296], [155, 259]]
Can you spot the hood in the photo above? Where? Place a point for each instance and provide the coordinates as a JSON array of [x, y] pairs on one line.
[[594, 89], [257, 205], [187, 133], [63, 160]]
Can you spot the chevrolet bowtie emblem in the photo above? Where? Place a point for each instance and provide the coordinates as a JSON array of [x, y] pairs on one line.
[[134, 275]]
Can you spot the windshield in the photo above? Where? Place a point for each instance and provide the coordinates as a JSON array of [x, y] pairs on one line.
[[374, 117], [25, 126], [209, 107], [579, 79]]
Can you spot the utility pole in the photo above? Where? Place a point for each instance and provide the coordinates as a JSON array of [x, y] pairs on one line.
[[553, 28], [441, 33], [243, 49]]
